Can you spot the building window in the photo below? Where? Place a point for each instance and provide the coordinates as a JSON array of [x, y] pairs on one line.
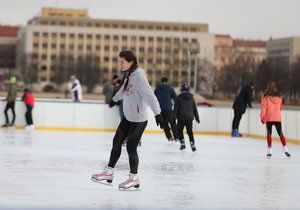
[[116, 37], [98, 36], [89, 36], [45, 35], [36, 34]]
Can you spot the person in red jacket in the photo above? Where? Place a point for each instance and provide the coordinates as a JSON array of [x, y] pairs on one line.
[[29, 102], [271, 105]]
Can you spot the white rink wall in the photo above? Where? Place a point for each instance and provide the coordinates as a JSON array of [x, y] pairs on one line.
[[95, 115]]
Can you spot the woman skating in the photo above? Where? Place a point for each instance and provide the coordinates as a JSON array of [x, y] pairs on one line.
[[271, 105], [135, 93]]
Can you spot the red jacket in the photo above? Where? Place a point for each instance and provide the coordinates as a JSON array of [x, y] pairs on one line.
[[271, 108], [28, 99]]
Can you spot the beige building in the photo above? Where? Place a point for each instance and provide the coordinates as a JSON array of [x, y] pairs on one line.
[[228, 49], [251, 49], [287, 49], [161, 47]]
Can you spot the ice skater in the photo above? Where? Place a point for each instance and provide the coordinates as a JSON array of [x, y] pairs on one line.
[[239, 106], [11, 100], [136, 94], [29, 102], [185, 111], [166, 95], [271, 105], [75, 89]]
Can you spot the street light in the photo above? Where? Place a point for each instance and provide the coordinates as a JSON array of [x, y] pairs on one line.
[[196, 52]]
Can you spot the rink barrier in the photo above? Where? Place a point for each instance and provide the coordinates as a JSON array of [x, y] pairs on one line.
[[95, 116]]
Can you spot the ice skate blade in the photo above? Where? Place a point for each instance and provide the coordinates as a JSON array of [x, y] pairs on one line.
[[269, 156], [104, 182], [133, 188]]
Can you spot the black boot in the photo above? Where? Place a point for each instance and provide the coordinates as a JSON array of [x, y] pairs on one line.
[[193, 147], [182, 146]]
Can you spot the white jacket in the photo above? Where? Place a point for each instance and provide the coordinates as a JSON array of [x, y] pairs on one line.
[[137, 96], [76, 89]]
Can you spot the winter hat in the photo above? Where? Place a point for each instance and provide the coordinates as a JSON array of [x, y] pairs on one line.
[[13, 80], [72, 77], [184, 87]]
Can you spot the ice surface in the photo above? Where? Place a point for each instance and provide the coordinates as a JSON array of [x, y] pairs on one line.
[[52, 170]]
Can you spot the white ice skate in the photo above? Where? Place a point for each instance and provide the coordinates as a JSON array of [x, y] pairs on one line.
[[132, 181], [269, 153], [286, 152], [105, 177], [29, 127]]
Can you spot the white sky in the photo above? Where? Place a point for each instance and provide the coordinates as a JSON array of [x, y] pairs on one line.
[[248, 19]]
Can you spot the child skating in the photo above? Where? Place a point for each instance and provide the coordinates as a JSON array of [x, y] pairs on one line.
[[135, 93], [271, 105], [185, 111]]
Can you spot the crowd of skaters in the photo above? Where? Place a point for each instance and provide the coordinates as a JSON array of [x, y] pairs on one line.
[[177, 111]]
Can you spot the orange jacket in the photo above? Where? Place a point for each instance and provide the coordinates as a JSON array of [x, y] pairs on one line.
[[271, 108]]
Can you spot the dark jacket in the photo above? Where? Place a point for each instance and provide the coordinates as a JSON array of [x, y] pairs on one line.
[[165, 94], [185, 107], [243, 99], [12, 93]]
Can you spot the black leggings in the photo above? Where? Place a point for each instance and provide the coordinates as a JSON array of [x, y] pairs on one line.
[[189, 129], [277, 126], [169, 119], [279, 131], [236, 119], [10, 105], [133, 131], [28, 115]]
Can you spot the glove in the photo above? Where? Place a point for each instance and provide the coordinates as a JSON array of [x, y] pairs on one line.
[[263, 121], [198, 121], [112, 104], [159, 121]]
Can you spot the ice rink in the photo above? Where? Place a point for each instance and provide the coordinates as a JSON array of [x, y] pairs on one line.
[[52, 170]]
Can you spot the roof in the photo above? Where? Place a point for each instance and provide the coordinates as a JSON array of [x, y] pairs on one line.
[[9, 31], [249, 43]]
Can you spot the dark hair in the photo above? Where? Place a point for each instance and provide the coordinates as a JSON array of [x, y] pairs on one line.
[[128, 56], [115, 77], [164, 79], [119, 81], [251, 83], [272, 90]]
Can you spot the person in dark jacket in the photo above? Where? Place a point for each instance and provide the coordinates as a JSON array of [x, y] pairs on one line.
[[11, 100], [165, 95], [239, 106], [185, 111]]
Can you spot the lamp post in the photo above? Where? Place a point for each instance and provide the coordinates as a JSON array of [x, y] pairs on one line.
[[196, 52]]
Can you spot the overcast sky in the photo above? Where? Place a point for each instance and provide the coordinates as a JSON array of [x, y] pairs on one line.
[[248, 19]]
